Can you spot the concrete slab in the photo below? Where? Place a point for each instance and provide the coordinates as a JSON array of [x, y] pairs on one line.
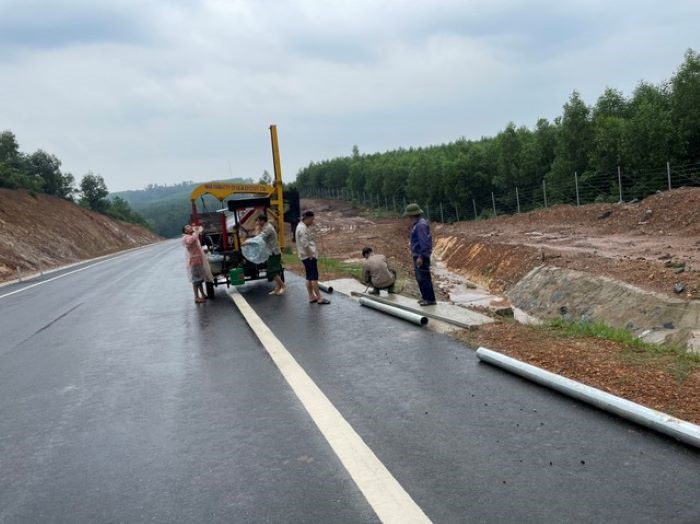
[[451, 315]]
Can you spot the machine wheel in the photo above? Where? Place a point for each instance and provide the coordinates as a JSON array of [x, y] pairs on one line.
[[210, 290]]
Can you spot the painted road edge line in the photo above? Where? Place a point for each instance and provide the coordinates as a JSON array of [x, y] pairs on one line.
[[388, 499], [30, 286], [662, 422]]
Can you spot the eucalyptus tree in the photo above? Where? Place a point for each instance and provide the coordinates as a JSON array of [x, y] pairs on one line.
[[574, 143], [649, 138], [685, 107]]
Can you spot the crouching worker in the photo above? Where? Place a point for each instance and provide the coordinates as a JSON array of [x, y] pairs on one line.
[[376, 272]]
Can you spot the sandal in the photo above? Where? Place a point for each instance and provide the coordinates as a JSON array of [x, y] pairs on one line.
[[313, 301], [199, 300], [324, 301]]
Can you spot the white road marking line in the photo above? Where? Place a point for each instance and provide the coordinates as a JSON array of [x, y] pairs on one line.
[[63, 275], [390, 501]]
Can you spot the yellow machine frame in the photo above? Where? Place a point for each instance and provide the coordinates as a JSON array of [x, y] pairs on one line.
[[221, 190]]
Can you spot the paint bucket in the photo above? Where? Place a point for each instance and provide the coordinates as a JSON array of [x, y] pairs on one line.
[[236, 276]]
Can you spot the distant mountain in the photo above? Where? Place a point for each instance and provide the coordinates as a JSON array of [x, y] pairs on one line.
[[166, 208]]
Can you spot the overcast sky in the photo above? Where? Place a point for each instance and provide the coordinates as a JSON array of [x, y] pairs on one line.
[[157, 91]]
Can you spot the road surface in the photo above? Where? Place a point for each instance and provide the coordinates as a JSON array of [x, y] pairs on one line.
[[123, 401]]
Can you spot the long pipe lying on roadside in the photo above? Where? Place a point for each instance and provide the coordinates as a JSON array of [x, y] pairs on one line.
[[679, 429], [397, 312], [326, 288]]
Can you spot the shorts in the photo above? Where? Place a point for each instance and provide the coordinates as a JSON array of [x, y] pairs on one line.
[[311, 267], [274, 267]]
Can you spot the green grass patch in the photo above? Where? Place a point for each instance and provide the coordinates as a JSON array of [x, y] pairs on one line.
[[676, 359], [340, 268], [328, 266]]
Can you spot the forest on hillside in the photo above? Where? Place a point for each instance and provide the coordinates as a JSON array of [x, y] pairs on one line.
[[40, 172], [166, 208], [621, 148]]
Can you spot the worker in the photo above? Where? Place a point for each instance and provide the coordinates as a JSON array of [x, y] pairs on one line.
[[195, 260], [267, 232], [306, 248], [376, 272], [421, 244]]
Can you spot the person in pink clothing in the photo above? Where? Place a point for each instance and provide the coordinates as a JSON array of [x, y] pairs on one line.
[[195, 260]]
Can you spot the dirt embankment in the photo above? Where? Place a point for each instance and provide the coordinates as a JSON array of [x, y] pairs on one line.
[[40, 232], [653, 245]]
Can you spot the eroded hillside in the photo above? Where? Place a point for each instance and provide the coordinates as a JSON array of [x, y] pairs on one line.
[[39, 232]]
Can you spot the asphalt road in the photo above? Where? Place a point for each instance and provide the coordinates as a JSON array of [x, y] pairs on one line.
[[123, 401]]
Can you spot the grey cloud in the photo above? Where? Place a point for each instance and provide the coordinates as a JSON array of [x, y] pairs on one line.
[[34, 24]]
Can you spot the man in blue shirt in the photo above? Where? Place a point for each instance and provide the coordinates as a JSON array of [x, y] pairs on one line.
[[421, 249]]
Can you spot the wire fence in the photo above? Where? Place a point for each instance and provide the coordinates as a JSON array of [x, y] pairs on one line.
[[578, 190]]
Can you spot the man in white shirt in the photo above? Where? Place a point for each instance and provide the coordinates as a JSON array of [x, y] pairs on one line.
[[306, 248]]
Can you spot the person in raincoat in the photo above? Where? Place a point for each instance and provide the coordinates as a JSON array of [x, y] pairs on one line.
[[197, 264], [267, 233]]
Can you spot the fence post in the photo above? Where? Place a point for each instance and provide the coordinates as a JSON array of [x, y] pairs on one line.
[[517, 198], [457, 212], [578, 202], [493, 203], [386, 203], [544, 191], [442, 216], [404, 202], [393, 200], [668, 174], [19, 274], [474, 204], [619, 182]]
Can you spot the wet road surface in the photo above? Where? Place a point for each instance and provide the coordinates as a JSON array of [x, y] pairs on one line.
[[123, 401]]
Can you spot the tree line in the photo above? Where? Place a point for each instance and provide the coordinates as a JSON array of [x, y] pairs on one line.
[[40, 172], [631, 140]]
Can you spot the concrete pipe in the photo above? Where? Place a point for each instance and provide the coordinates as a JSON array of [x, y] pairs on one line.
[[397, 312], [656, 420], [324, 287]]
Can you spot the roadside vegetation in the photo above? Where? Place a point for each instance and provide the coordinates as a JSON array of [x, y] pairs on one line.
[[588, 154], [40, 172], [670, 357]]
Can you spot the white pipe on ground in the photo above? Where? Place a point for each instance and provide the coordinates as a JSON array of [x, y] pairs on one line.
[[679, 429], [326, 288], [397, 312]]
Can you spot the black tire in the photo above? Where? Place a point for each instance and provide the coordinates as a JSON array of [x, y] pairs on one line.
[[210, 290]]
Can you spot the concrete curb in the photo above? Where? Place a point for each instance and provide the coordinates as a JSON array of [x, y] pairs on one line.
[[682, 430]]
